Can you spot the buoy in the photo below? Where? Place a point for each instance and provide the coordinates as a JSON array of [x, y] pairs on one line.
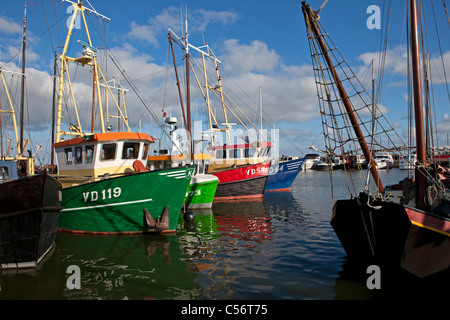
[[189, 216]]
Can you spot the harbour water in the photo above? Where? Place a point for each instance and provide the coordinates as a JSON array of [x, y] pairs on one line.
[[278, 248]]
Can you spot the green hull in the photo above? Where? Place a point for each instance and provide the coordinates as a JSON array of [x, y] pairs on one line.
[[201, 191], [117, 205]]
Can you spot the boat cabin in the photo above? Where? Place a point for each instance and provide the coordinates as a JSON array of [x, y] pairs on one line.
[[164, 160], [100, 155], [226, 156]]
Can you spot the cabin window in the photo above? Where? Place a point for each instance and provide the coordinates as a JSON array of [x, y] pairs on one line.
[[236, 153], [130, 150], [221, 154], [108, 151], [145, 151], [69, 155], [4, 174], [249, 153], [265, 151], [200, 168], [159, 165], [78, 155], [89, 154]]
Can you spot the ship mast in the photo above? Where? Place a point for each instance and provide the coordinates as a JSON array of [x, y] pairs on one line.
[[417, 91], [188, 86], [89, 58], [178, 79], [12, 112], [22, 100], [310, 19], [217, 90]]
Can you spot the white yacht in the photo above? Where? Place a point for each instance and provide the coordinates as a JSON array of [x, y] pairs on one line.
[[311, 159], [384, 160]]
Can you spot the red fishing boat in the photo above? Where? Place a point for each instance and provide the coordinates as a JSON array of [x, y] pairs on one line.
[[242, 170]]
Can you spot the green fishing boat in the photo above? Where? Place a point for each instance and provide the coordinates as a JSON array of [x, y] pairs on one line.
[[201, 191], [148, 201], [106, 185]]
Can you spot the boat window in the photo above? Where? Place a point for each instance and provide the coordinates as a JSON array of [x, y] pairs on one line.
[[221, 154], [4, 174], [69, 155], [157, 165], [78, 155], [108, 151], [261, 152], [145, 151], [249, 153], [130, 150], [89, 154], [236, 153], [200, 168]]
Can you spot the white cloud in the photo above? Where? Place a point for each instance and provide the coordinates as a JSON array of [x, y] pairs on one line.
[[14, 53], [202, 18], [443, 127], [395, 60], [254, 57], [289, 93], [198, 21], [142, 32], [8, 26], [151, 31], [437, 66]]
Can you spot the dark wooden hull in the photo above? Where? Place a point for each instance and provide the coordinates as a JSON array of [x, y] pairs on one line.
[[250, 188], [391, 236], [29, 217]]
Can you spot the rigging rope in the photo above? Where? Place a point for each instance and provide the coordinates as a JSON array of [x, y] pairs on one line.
[[339, 138]]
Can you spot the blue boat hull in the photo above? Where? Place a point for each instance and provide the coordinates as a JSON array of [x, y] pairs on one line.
[[282, 174]]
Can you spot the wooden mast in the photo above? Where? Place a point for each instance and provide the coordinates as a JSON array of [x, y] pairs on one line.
[[55, 67], [22, 101], [178, 79], [348, 107], [417, 88], [188, 93]]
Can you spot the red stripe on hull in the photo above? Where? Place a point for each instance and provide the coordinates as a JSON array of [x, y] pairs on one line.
[[279, 190], [254, 196], [243, 173], [436, 223]]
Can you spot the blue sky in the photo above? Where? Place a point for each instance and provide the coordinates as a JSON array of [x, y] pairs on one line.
[[262, 44]]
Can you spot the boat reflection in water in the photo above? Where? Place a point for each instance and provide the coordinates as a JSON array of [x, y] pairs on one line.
[[243, 220], [221, 238], [128, 267]]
